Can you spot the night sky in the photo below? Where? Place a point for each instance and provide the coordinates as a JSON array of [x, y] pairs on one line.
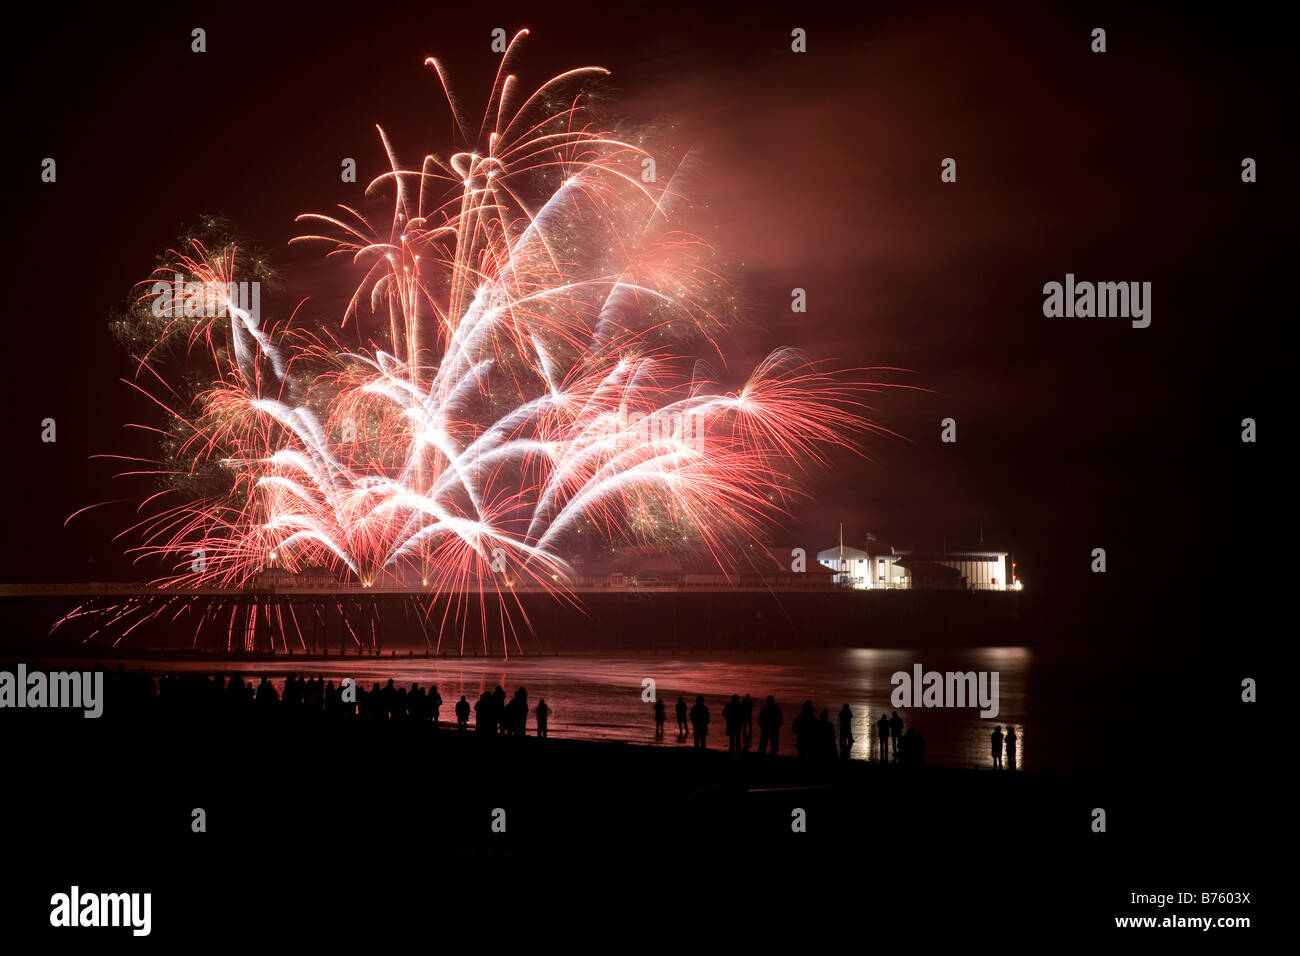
[[818, 171], [822, 172]]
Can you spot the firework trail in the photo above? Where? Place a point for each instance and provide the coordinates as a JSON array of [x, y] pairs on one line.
[[530, 304]]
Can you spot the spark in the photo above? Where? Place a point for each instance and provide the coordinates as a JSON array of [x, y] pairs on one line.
[[526, 383]]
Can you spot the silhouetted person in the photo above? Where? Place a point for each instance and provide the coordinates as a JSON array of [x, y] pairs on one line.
[[513, 716], [826, 736], [517, 722], [700, 723], [498, 709], [846, 730], [234, 689], [681, 718], [661, 715], [896, 730], [434, 703], [882, 734], [1011, 747], [747, 722], [805, 731], [769, 725], [483, 710], [462, 713], [543, 717], [266, 698], [997, 748], [731, 719]]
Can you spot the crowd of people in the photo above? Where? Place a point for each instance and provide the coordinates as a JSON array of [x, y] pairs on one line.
[[207, 696], [492, 714], [814, 736]]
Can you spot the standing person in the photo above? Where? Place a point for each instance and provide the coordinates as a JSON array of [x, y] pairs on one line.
[[882, 734], [660, 717], [462, 713], [805, 731], [681, 718], [1011, 748], [731, 719], [896, 730], [543, 717], [997, 747], [846, 731], [434, 703], [747, 722], [769, 725], [519, 726], [497, 710], [826, 736], [700, 723], [514, 716]]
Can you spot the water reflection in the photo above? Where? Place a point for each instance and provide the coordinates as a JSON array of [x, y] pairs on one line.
[[601, 698]]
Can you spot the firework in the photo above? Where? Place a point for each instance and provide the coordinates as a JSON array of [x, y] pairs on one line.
[[532, 310]]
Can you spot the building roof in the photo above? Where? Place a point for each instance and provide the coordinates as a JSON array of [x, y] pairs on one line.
[[954, 555], [845, 552]]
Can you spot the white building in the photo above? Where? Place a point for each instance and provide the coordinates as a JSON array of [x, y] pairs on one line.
[[979, 570], [879, 567], [856, 568]]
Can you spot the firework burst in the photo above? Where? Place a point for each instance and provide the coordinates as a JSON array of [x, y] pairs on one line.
[[532, 311]]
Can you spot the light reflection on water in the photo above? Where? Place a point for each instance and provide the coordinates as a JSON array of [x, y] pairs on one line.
[[599, 698]]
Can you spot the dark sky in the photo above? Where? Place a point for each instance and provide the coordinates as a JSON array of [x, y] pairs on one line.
[[822, 173]]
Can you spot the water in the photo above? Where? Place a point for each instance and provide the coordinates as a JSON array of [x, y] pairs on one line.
[[600, 698]]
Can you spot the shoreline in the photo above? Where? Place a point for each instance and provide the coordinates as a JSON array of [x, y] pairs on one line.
[[599, 699], [112, 800]]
